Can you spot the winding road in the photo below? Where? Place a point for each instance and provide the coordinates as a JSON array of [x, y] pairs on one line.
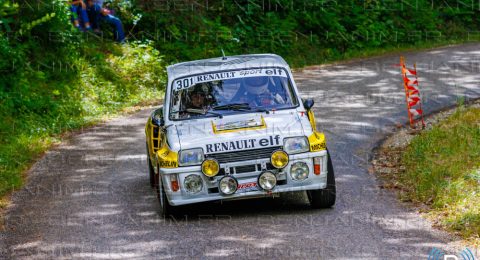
[[90, 197]]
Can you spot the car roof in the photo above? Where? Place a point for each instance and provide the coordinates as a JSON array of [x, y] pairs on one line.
[[228, 63]]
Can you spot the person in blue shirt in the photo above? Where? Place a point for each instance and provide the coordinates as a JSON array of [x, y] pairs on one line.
[[78, 7], [99, 14]]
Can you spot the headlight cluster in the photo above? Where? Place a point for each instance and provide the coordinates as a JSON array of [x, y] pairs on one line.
[[210, 167], [228, 184], [190, 157], [293, 145]]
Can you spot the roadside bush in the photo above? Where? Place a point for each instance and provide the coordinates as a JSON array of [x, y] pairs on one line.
[[304, 32], [55, 78]]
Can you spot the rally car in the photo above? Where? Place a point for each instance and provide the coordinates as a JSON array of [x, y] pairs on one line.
[[235, 127]]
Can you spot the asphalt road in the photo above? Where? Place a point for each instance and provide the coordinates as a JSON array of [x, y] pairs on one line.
[[90, 197]]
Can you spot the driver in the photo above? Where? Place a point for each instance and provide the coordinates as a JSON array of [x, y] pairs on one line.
[[257, 92], [197, 99]]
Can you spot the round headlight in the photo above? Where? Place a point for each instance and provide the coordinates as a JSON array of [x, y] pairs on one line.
[[299, 171], [228, 185], [279, 159], [210, 167], [267, 181], [193, 183]]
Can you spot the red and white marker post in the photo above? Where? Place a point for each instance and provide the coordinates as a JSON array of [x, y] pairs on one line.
[[412, 94]]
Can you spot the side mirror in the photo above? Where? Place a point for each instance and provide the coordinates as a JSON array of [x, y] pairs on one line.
[[308, 103], [157, 118]]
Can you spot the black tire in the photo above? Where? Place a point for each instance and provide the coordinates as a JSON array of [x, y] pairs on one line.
[[151, 171], [166, 210], [324, 198]]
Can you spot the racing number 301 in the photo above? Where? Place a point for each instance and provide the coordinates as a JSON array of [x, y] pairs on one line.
[[184, 83]]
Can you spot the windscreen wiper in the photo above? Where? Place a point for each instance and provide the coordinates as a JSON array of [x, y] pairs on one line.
[[240, 107], [233, 106], [202, 112]]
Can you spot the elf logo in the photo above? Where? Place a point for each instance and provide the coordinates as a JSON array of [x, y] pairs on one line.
[[243, 144], [437, 254]]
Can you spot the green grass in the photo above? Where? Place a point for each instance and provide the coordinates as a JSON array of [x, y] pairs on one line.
[[443, 171], [106, 80]]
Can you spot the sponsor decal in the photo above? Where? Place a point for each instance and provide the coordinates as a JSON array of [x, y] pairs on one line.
[[243, 144], [191, 81], [168, 164], [238, 124], [167, 158], [244, 187], [317, 142], [318, 147]]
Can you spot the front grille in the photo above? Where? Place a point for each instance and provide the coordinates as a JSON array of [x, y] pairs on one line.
[[245, 168], [254, 154]]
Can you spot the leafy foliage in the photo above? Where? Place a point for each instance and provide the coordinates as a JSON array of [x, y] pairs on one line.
[[55, 78], [304, 32]]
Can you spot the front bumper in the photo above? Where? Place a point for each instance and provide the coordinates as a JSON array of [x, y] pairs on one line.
[[210, 191]]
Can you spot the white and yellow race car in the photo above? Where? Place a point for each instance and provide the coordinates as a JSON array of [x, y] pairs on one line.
[[232, 128]]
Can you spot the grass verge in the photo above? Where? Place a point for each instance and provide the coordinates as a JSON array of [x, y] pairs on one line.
[[442, 170]]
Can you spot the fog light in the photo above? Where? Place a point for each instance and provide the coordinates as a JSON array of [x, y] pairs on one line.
[[193, 183], [279, 159], [228, 185], [267, 181], [299, 171], [210, 167]]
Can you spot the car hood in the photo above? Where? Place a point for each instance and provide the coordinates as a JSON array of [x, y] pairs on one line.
[[241, 131]]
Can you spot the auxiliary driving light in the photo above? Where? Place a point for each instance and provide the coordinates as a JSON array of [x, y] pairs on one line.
[[210, 167], [267, 181], [193, 183], [299, 171], [228, 185], [279, 159]]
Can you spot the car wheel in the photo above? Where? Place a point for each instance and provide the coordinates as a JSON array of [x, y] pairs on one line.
[[166, 210], [324, 198], [151, 172]]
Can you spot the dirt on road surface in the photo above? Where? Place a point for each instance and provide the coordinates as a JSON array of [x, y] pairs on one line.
[[90, 197]]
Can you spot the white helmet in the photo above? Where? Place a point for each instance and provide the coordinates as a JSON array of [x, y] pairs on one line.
[[256, 85]]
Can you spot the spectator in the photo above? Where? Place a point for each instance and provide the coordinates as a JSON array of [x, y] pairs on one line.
[[79, 7], [99, 14]]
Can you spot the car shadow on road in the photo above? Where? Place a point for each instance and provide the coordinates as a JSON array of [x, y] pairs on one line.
[[284, 204]]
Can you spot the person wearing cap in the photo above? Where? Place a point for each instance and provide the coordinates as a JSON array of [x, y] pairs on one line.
[[78, 7], [99, 14]]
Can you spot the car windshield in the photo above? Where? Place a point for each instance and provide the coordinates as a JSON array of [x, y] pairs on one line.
[[230, 92]]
